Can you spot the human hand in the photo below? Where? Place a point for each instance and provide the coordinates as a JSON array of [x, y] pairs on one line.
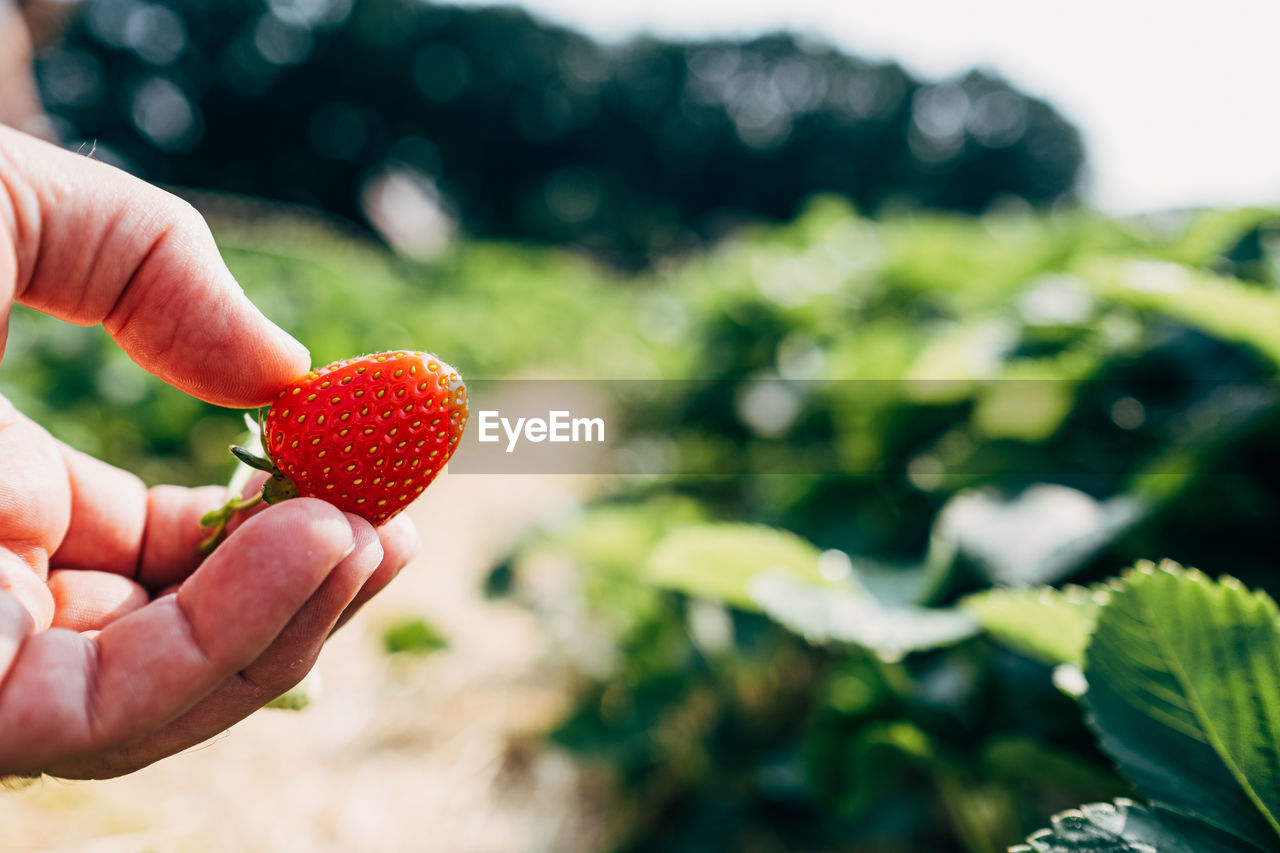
[[19, 101], [118, 646]]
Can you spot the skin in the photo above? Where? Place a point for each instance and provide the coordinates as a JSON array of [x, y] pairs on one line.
[[19, 100], [118, 645]]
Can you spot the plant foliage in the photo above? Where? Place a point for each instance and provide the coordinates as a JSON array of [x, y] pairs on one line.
[[885, 622]]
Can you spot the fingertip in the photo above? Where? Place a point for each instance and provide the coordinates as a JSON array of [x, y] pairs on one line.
[[401, 540], [169, 544], [255, 359], [27, 588], [276, 360], [185, 318], [366, 539], [364, 559], [90, 600], [293, 351], [15, 620], [358, 523], [262, 574], [309, 524], [15, 626], [114, 250]]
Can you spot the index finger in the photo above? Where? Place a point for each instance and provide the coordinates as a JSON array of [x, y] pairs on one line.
[[91, 244]]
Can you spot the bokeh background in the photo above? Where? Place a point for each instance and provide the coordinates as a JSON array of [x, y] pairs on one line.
[[1004, 386]]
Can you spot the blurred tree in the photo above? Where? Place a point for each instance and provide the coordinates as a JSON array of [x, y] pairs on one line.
[[533, 131]]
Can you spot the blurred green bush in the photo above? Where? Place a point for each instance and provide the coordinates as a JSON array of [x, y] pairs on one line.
[[491, 309], [813, 661], [1000, 404]]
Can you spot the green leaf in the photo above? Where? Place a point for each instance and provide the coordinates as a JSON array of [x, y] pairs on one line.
[[414, 636], [1037, 536], [1221, 306], [1034, 765], [616, 538], [816, 595], [1050, 625], [718, 561], [1122, 827], [825, 615], [1211, 233], [1184, 695], [1024, 409]]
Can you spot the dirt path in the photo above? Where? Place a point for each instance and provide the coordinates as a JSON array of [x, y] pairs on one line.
[[430, 754]]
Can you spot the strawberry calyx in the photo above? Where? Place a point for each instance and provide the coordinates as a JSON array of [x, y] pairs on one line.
[[275, 489]]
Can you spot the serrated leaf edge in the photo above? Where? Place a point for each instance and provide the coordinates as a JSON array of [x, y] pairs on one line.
[[1194, 575], [1053, 829]]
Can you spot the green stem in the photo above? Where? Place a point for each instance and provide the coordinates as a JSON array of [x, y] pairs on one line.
[[277, 488], [218, 518]]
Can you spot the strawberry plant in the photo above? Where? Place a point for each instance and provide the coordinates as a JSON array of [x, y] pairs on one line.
[[1179, 677], [874, 660], [886, 645], [1183, 695]]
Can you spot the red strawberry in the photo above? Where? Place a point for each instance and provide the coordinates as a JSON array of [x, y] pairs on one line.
[[370, 433], [367, 434]]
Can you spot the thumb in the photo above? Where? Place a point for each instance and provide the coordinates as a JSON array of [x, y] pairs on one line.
[[91, 244]]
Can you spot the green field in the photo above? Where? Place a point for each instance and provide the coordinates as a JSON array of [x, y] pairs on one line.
[[994, 416]]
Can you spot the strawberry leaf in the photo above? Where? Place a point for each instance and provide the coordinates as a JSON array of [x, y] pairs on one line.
[[1039, 536], [1050, 625], [826, 615], [1120, 827], [718, 561], [1184, 694], [817, 595]]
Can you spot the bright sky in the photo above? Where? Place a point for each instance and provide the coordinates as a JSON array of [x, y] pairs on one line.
[[1179, 101]]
